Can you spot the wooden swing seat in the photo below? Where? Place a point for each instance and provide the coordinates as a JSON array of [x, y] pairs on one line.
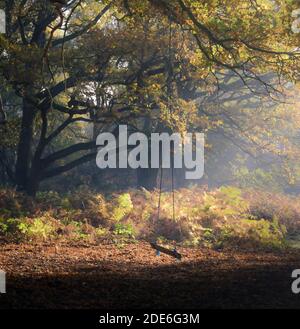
[[172, 253]]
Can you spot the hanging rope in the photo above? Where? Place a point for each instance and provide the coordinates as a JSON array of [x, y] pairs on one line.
[[160, 192], [170, 77], [158, 248], [169, 107], [154, 245]]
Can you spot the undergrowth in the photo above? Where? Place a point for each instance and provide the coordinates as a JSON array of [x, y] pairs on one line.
[[222, 218]]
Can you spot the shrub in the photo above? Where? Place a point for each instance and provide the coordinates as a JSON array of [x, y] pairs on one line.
[[77, 231], [286, 209], [121, 206], [50, 199], [252, 234], [14, 204], [89, 206], [36, 229], [224, 217], [124, 229], [29, 229]]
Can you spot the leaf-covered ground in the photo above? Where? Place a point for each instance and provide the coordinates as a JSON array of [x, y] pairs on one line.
[[107, 276]]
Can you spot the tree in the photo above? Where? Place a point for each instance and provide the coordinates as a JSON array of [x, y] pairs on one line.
[[111, 62]]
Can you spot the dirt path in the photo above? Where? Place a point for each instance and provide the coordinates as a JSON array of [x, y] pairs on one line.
[[133, 277]]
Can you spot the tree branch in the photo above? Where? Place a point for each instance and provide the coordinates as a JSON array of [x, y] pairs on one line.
[[59, 170], [84, 29], [68, 151]]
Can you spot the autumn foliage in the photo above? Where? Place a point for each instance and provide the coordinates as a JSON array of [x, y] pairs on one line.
[[225, 217]]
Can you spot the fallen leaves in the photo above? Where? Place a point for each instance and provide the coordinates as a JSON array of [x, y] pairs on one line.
[[106, 276]]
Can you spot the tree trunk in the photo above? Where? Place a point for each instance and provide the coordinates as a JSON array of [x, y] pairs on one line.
[[32, 186], [24, 146]]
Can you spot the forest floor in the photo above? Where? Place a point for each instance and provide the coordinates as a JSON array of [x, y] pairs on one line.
[[132, 276]]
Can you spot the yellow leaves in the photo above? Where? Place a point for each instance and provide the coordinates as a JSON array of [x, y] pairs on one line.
[[155, 87], [179, 114]]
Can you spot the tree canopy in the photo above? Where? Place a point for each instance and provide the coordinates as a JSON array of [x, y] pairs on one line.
[[70, 69]]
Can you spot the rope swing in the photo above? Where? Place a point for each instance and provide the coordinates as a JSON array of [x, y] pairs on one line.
[[159, 249]]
